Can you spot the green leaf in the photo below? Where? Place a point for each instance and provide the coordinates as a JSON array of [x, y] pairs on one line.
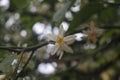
[[84, 14], [21, 3], [2, 54], [117, 1], [106, 37], [59, 15], [107, 15], [6, 62]]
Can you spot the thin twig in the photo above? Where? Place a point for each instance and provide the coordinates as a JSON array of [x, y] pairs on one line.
[[25, 64], [10, 49], [109, 27], [19, 49], [17, 66]]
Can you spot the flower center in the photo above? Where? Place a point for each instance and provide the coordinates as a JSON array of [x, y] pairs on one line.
[[92, 34], [59, 39]]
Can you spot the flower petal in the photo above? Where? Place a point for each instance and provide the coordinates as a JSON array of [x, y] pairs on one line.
[[61, 31], [55, 49], [61, 54], [69, 39], [59, 51], [70, 42], [66, 48], [51, 37]]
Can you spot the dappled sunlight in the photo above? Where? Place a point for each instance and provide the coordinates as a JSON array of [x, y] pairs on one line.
[[55, 30], [38, 27], [12, 20], [42, 29], [48, 29], [23, 33], [69, 15], [7, 37], [47, 68], [75, 8], [48, 51], [5, 4], [79, 36], [33, 8]]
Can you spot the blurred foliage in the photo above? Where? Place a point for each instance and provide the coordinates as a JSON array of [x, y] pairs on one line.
[[19, 17]]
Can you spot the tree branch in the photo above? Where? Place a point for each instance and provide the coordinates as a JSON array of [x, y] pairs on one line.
[[19, 49]]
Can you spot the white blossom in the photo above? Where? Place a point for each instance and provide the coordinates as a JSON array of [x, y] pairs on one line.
[[61, 42]]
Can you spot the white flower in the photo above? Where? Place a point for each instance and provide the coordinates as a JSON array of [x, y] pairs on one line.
[[93, 33], [61, 42]]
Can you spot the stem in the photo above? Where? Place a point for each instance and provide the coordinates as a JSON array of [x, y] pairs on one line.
[[25, 64], [17, 66], [20, 49]]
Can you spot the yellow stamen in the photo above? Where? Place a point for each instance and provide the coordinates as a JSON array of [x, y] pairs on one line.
[[59, 40], [91, 34]]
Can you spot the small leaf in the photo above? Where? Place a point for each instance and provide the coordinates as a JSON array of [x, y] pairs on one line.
[[106, 37], [85, 13], [59, 15], [21, 3], [6, 62]]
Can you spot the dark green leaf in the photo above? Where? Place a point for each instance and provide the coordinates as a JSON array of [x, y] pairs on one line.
[[21, 3], [117, 1], [107, 36], [107, 16], [85, 13]]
